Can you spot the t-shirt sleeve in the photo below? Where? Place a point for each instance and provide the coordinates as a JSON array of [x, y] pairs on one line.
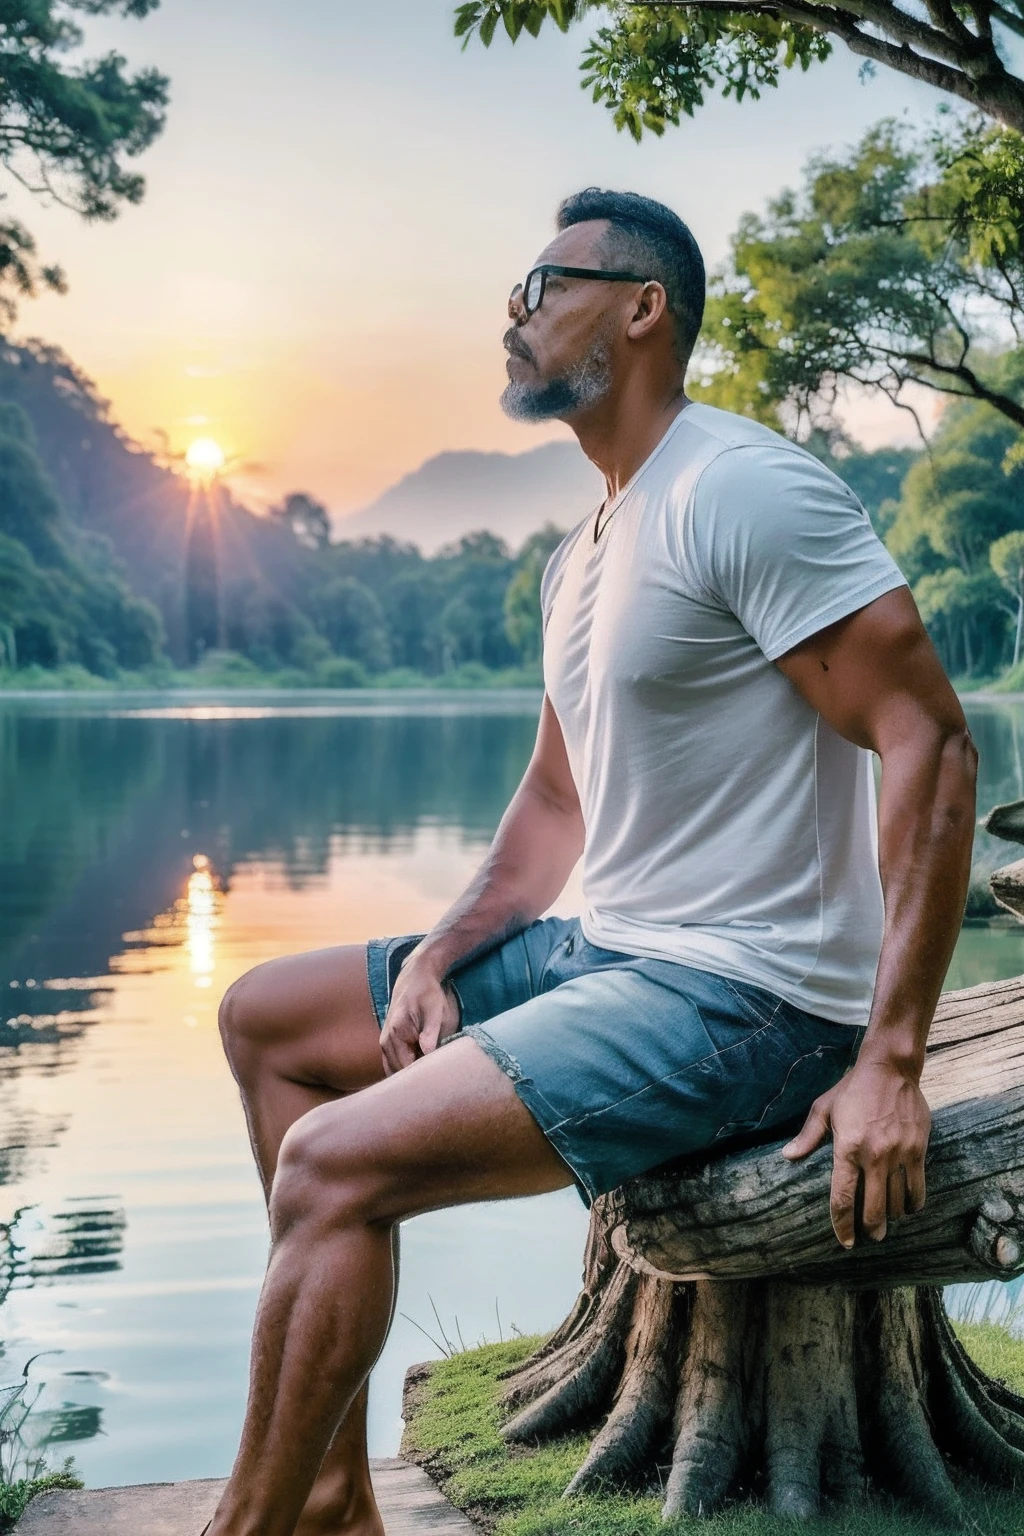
[[784, 544]]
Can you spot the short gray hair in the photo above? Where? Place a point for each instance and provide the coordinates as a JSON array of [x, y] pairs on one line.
[[650, 238]]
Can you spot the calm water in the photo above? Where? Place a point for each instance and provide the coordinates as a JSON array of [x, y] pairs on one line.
[[149, 854]]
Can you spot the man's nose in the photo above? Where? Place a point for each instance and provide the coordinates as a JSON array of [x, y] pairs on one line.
[[516, 306]]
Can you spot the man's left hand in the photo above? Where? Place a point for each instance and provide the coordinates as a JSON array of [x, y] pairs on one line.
[[880, 1122]]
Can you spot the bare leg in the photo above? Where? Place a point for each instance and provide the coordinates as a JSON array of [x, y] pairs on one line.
[[300, 1032], [446, 1130]]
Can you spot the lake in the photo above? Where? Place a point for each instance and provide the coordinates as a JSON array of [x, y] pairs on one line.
[[151, 850]]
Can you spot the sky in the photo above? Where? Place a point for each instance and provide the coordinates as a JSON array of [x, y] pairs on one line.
[[336, 212]]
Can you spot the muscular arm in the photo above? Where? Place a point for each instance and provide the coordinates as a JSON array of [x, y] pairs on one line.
[[537, 843], [875, 677]]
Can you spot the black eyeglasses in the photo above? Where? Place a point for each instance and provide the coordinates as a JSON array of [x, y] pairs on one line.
[[531, 293]]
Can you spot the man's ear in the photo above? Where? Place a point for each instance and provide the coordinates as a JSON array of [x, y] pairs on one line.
[[651, 306]]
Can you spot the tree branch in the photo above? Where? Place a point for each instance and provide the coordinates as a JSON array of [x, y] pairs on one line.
[[946, 19], [976, 389], [899, 24], [1007, 106], [1009, 19], [988, 86], [981, 10]]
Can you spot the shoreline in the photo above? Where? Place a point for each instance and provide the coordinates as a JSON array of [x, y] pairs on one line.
[[986, 696], [270, 694]]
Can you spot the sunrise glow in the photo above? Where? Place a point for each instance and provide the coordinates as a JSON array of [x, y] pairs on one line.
[[204, 459]]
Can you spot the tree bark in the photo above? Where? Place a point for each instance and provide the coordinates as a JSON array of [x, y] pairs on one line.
[[724, 1344]]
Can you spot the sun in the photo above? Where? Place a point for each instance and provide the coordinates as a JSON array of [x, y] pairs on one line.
[[204, 459]]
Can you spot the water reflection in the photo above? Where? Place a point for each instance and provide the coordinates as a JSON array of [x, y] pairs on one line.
[[35, 1427], [188, 851], [103, 815], [48, 1246], [48, 1408], [998, 731], [66, 1424], [148, 858], [103, 812]]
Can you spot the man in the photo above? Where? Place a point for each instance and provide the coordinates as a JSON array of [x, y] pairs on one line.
[[726, 642]]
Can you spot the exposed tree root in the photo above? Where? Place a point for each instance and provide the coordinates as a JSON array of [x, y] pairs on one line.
[[904, 1455], [643, 1401], [807, 1396], [575, 1382], [710, 1422]]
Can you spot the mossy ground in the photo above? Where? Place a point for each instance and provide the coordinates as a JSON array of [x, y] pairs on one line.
[[453, 1431]]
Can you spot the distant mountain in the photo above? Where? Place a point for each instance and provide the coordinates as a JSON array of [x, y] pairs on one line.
[[458, 493]]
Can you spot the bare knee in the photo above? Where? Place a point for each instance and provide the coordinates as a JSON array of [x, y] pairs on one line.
[[247, 1029], [324, 1175]]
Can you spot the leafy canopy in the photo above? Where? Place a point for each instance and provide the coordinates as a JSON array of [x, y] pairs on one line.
[[956, 532], [67, 127], [60, 601], [651, 63], [957, 499], [899, 263]]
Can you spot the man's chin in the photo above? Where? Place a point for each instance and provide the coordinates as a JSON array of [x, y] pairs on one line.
[[546, 402]]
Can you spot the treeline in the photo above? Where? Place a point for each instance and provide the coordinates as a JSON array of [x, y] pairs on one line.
[[897, 267], [62, 598], [378, 610], [951, 515], [110, 568], [957, 532]]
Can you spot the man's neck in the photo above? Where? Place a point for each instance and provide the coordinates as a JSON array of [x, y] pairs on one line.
[[624, 430]]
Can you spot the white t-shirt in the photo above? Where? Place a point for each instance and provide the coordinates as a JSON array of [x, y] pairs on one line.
[[728, 826]]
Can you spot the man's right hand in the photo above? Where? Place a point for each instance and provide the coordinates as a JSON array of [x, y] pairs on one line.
[[422, 1012]]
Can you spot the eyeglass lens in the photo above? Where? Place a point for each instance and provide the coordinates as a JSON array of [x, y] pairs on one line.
[[534, 289]]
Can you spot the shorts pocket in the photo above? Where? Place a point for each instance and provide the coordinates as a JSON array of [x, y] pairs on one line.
[[789, 1082]]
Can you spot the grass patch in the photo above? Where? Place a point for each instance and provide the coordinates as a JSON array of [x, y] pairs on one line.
[[997, 1352], [452, 1430], [15, 1497]]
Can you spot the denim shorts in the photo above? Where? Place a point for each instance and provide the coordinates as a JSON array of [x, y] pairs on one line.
[[626, 1062]]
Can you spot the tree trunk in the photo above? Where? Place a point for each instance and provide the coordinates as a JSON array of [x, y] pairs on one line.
[[724, 1344]]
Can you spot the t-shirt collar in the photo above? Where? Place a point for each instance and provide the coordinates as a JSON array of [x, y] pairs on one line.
[[608, 509]]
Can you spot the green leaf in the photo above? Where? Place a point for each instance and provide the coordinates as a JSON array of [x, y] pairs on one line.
[[488, 25], [466, 18]]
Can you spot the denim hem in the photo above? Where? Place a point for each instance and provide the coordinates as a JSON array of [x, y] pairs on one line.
[[453, 989], [538, 1106], [377, 977], [379, 956]]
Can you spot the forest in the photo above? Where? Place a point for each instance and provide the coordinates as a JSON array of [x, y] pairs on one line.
[[895, 269], [114, 569]]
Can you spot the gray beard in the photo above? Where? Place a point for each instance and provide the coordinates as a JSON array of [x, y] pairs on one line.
[[584, 386]]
